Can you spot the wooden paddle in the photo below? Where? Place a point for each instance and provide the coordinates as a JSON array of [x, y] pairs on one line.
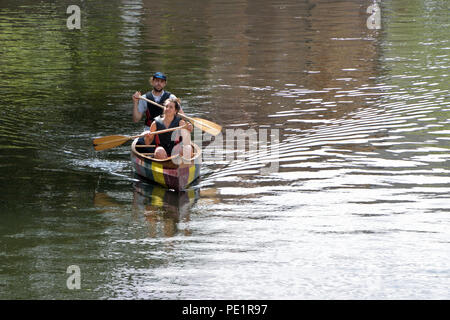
[[109, 142], [205, 125]]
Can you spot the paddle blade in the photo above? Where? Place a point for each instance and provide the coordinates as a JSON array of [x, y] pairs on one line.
[[207, 126], [109, 142], [108, 139]]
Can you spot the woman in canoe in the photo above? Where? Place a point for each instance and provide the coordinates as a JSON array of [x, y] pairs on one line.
[[170, 143]]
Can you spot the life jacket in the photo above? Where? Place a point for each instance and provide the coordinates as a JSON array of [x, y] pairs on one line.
[[165, 139], [152, 110]]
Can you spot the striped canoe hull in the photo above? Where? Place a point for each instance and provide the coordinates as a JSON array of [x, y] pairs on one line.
[[166, 173]]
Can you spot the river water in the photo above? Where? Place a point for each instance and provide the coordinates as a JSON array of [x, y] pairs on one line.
[[353, 202]]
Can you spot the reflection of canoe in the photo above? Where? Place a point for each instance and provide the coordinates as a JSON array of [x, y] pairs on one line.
[[157, 196], [162, 208], [172, 173]]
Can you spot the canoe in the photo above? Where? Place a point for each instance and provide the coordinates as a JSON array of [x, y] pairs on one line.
[[171, 173]]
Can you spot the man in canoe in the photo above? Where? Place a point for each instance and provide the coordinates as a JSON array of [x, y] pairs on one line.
[[174, 142], [158, 95], [158, 81]]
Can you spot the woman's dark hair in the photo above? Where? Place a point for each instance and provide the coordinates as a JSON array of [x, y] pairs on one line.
[[176, 101]]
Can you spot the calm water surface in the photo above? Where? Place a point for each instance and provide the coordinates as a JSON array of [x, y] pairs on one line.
[[359, 205]]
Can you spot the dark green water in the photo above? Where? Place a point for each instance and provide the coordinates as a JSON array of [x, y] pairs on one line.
[[359, 205]]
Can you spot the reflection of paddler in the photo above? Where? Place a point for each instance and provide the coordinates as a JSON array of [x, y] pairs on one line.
[[151, 198], [166, 227]]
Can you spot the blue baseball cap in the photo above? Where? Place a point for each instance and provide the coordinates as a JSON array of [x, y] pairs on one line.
[[160, 75]]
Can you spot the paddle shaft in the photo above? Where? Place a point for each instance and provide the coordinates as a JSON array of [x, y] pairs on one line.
[[192, 120], [157, 132], [114, 141]]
